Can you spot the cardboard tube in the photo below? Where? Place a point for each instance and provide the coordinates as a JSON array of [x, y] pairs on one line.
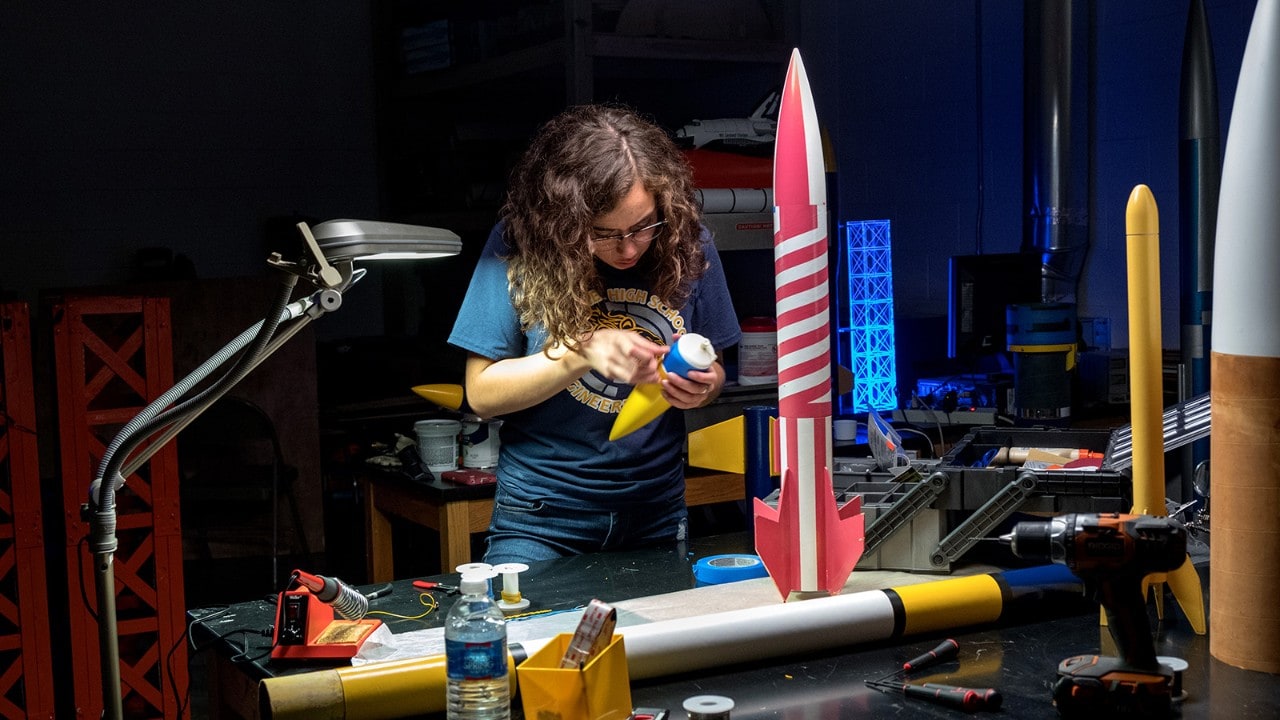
[[1244, 553]]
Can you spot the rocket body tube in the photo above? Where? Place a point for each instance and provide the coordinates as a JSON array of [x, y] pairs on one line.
[[1245, 365], [1142, 242]]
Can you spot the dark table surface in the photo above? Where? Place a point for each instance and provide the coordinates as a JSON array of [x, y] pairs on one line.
[[1018, 656]]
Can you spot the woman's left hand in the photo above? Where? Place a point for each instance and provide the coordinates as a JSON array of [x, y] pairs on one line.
[[697, 390]]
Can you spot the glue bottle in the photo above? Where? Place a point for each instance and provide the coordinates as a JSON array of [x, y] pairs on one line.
[[475, 641], [645, 403]]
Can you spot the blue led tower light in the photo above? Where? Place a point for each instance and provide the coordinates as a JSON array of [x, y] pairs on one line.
[[866, 344]]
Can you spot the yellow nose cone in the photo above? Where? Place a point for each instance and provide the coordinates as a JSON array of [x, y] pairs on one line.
[[446, 395], [1140, 214]]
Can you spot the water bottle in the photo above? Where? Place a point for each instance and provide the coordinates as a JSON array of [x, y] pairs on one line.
[[475, 640]]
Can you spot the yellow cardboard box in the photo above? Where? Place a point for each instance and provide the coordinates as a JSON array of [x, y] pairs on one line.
[[601, 690]]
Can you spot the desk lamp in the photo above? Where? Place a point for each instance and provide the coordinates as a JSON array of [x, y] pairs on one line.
[[331, 251]]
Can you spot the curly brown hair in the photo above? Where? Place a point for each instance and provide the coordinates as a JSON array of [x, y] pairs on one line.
[[579, 166]]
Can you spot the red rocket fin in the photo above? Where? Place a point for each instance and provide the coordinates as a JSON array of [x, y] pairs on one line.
[[775, 540], [839, 538]]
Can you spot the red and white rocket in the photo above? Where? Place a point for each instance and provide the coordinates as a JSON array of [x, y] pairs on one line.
[[807, 544], [1244, 565]]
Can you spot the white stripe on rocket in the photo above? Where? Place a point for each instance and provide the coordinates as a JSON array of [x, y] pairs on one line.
[[799, 328], [813, 268], [812, 137], [798, 301], [808, 503], [801, 240]]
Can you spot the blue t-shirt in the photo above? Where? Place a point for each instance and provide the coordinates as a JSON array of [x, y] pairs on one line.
[[559, 451]]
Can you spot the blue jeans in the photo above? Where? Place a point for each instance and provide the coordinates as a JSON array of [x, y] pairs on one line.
[[526, 532]]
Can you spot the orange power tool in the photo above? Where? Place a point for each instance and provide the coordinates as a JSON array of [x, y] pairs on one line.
[[1111, 553]]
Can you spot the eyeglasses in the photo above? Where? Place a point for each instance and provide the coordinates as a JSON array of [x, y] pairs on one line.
[[643, 236]]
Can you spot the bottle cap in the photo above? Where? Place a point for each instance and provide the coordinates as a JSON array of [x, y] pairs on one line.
[[691, 352], [475, 582]]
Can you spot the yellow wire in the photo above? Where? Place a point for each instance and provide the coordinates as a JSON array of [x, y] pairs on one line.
[[428, 601]]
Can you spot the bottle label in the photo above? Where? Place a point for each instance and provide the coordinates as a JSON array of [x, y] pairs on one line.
[[476, 660]]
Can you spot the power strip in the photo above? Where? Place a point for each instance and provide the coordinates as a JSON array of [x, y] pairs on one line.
[[919, 416]]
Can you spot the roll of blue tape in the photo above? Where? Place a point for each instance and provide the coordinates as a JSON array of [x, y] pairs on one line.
[[717, 569]]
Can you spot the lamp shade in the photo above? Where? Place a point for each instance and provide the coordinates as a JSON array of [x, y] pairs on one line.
[[342, 240]]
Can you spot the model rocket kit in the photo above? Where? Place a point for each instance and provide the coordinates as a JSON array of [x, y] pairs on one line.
[[807, 543]]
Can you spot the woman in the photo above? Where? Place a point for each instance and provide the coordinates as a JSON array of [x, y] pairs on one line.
[[598, 262]]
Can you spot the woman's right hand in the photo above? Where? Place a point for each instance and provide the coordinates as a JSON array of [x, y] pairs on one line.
[[623, 356]]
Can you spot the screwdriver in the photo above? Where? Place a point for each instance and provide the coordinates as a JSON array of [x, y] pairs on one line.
[[988, 698], [946, 650], [960, 698]]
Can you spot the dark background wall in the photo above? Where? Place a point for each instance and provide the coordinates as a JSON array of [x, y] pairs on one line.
[[206, 130], [910, 140], [197, 127]]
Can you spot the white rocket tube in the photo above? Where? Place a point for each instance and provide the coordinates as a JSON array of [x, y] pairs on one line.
[[675, 646]]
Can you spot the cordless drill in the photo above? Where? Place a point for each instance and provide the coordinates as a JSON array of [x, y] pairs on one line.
[[1111, 553]]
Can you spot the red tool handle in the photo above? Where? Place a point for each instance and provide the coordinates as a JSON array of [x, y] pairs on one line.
[[946, 650], [986, 698], [959, 698]]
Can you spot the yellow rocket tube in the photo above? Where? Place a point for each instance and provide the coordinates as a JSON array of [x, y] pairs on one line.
[[946, 604], [401, 688], [1146, 394], [1142, 243]]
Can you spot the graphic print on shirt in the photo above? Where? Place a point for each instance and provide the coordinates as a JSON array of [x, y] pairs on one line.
[[634, 309]]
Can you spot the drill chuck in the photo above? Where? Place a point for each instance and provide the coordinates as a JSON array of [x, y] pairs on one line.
[[1045, 540]]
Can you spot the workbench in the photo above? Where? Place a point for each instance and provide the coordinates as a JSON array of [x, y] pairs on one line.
[[456, 512], [1018, 655]]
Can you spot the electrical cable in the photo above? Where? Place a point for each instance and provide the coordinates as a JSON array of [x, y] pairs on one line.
[[932, 451], [423, 598], [942, 438]]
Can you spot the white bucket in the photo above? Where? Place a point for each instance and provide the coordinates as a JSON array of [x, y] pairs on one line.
[[758, 352], [438, 444], [479, 442]]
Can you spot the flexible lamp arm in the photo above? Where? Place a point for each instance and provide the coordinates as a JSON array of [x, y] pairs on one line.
[[292, 318], [158, 413], [340, 243]]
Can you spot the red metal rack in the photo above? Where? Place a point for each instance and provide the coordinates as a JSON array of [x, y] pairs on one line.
[[114, 355], [26, 677]]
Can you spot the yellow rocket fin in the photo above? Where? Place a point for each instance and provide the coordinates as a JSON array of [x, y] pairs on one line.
[[1185, 583], [722, 446]]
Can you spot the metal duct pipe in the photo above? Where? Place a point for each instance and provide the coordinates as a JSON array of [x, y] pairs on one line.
[[1055, 195]]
